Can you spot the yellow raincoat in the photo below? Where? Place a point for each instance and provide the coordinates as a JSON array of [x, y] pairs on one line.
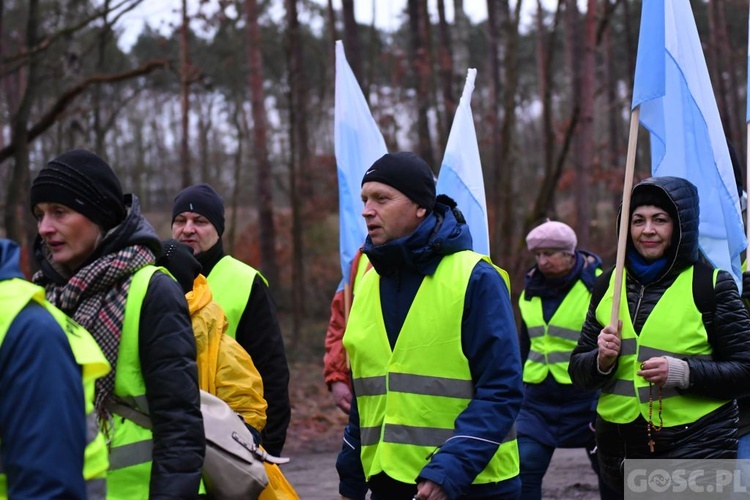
[[227, 371]]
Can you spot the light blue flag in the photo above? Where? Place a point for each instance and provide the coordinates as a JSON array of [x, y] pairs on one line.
[[677, 106], [357, 143], [460, 174]]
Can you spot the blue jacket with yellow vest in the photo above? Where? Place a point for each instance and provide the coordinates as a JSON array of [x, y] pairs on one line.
[[488, 341], [41, 450], [715, 378], [555, 412]]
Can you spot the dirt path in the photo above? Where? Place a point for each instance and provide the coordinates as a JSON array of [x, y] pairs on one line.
[[569, 477], [314, 438]]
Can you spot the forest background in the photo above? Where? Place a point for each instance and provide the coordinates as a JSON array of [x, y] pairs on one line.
[[238, 95]]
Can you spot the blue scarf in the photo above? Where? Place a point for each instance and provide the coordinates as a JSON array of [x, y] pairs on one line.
[[644, 271]]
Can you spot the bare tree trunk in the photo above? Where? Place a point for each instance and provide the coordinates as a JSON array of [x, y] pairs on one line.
[[544, 206], [332, 37], [510, 32], [723, 74], [422, 72], [586, 137], [264, 187], [185, 98], [299, 156], [734, 117], [613, 107], [460, 47], [240, 127], [631, 45], [445, 62], [576, 55], [17, 215], [99, 132], [499, 245], [351, 42]]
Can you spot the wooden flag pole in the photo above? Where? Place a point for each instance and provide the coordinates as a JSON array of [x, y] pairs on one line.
[[622, 236]]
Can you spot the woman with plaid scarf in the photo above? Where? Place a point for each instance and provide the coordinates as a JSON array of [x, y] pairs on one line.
[[96, 251]]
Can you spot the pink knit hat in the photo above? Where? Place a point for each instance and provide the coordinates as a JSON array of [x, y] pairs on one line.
[[554, 235]]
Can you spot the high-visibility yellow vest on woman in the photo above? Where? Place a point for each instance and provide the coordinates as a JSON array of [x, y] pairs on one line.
[[552, 343], [131, 446], [231, 283], [628, 394], [408, 403], [15, 294]]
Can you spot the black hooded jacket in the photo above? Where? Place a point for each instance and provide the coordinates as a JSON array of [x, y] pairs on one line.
[[167, 352], [727, 374]]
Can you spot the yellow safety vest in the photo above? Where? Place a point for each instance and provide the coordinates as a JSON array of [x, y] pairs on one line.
[[408, 403], [553, 342], [15, 294], [132, 445], [674, 328], [231, 282]]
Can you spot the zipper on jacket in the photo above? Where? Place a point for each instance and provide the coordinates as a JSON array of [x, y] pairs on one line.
[[638, 304]]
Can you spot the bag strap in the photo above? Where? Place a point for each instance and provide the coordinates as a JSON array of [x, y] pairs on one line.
[[126, 411], [703, 288]]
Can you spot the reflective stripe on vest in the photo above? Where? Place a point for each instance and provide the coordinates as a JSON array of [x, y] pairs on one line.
[[231, 282], [673, 328], [553, 342], [15, 294], [408, 404], [131, 447]]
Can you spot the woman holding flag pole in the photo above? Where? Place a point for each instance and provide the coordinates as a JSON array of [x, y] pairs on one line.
[[675, 353]]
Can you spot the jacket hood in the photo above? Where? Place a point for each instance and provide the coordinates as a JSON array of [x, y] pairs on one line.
[[439, 234], [683, 251], [134, 230], [10, 260], [199, 296]]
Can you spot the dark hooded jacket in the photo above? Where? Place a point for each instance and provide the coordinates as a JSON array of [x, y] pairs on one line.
[[40, 381], [725, 376], [489, 342], [554, 414], [167, 354]]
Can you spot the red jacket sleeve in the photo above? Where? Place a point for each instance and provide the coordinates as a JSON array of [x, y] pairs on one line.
[[335, 367]]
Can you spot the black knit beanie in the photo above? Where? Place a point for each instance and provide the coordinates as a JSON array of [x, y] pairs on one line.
[[179, 260], [406, 172], [84, 182], [648, 194], [201, 199]]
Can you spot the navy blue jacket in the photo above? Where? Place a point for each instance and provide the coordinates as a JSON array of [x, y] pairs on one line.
[[489, 342], [42, 415]]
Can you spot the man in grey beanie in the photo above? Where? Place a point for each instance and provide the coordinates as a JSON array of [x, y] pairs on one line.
[[433, 350]]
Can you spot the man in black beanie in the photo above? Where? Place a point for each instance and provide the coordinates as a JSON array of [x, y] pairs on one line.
[[198, 220], [434, 355]]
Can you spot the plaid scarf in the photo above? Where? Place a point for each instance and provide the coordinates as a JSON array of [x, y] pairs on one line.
[[95, 297]]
